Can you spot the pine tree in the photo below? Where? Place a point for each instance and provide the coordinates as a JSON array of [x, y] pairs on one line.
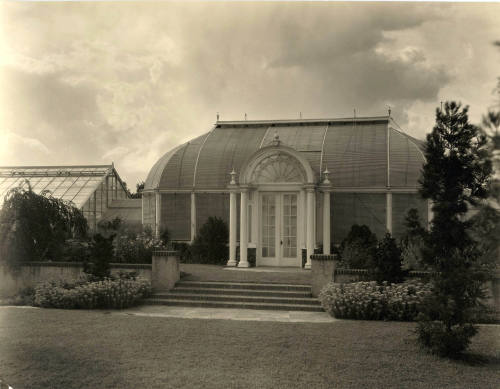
[[455, 176]]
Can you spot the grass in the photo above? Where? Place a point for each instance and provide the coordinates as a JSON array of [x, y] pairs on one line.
[[46, 348]]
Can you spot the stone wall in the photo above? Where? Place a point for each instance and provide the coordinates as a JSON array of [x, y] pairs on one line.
[[32, 273]]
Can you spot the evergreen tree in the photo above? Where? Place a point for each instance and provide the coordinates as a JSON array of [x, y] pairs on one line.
[[455, 176]]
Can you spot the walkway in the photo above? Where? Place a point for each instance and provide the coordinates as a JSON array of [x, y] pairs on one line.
[[227, 314], [280, 275]]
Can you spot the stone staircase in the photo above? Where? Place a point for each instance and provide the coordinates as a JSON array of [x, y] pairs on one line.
[[243, 295]]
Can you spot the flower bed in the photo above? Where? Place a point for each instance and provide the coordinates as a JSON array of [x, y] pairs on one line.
[[109, 293], [372, 301]]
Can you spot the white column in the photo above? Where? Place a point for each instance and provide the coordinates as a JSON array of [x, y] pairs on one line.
[[310, 226], [326, 222], [243, 229], [232, 229], [193, 216], [388, 212], [157, 214]]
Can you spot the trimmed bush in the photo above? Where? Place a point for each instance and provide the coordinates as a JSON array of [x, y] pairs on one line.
[[372, 301], [357, 250], [210, 244], [388, 261], [84, 294]]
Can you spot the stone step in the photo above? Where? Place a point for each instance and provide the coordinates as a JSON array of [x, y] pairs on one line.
[[176, 295], [239, 292], [239, 305], [244, 285]]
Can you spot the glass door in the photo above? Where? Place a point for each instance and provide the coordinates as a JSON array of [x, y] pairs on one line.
[[289, 227], [268, 227], [278, 224]]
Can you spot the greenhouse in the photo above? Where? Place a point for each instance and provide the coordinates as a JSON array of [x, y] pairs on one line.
[[95, 189], [287, 187]]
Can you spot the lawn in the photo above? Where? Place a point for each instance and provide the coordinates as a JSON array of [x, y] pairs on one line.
[[95, 349]]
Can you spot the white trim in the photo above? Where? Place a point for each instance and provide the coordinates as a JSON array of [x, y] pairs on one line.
[[322, 152], [278, 186]]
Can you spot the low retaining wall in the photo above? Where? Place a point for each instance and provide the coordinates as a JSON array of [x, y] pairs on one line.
[[33, 273], [323, 271]]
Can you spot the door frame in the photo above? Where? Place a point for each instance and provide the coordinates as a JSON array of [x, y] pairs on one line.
[[278, 260]]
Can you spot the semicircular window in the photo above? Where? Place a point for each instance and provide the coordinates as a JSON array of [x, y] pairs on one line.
[[278, 168]]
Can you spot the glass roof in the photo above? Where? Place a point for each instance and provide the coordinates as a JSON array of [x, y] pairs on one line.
[[71, 183]]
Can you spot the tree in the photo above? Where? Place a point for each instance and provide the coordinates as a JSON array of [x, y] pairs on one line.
[[454, 177], [138, 193], [358, 249], [35, 227], [388, 261], [413, 241], [210, 244], [491, 127]]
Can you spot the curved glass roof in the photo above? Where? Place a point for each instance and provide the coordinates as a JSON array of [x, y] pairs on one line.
[[72, 183], [355, 151]]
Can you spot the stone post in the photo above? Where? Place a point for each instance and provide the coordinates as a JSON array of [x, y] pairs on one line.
[[322, 272], [165, 271]]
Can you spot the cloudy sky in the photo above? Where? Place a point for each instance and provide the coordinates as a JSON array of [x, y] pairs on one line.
[[91, 83]]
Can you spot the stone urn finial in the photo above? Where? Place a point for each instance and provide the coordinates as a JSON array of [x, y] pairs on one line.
[[233, 176], [325, 175]]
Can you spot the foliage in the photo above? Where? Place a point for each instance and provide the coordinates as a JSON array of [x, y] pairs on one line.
[[455, 176], [76, 250], [184, 250], [139, 187], [34, 227], [357, 250], [441, 340], [210, 244], [84, 294], [138, 248], [372, 301], [388, 261], [490, 127], [485, 230], [412, 243], [101, 253]]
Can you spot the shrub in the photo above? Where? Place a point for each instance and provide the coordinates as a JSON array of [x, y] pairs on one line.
[[412, 243], [34, 227], [371, 301], [210, 244], [84, 294], [388, 261], [358, 249], [138, 248], [101, 252]]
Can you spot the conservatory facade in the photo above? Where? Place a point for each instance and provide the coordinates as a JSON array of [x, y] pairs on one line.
[[287, 187]]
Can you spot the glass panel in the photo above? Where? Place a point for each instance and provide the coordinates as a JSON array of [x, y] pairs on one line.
[[268, 225], [289, 225]]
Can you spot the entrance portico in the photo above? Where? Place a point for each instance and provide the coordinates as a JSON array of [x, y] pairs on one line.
[[277, 190]]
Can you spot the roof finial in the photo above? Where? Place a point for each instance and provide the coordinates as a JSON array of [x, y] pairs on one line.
[[325, 175], [276, 138], [354, 112], [233, 175], [389, 110], [245, 116], [217, 116], [300, 114]]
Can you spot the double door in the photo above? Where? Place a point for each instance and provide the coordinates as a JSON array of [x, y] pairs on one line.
[[278, 229]]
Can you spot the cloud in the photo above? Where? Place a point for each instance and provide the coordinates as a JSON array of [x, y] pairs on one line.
[[126, 82]]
